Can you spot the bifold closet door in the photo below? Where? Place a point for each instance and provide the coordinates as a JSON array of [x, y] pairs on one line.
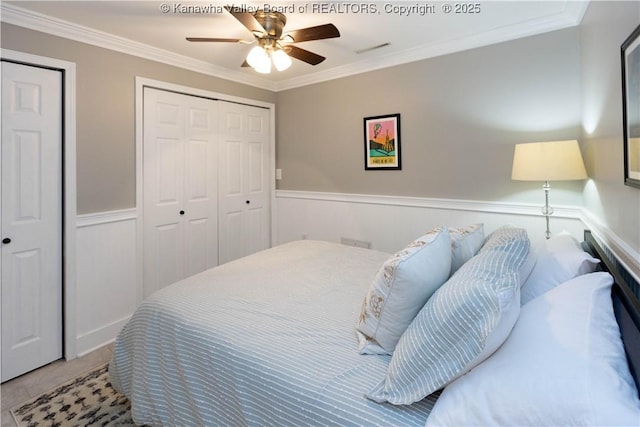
[[31, 221], [244, 214], [180, 187]]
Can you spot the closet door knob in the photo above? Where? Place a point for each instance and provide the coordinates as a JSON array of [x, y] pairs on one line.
[[247, 202], [181, 212], [6, 240]]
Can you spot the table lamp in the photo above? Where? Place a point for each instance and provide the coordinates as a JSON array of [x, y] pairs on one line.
[[548, 161]]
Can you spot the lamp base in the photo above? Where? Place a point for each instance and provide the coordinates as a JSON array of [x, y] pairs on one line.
[[547, 210]]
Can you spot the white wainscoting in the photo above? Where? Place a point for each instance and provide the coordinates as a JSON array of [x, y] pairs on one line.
[[390, 222], [106, 270], [107, 252]]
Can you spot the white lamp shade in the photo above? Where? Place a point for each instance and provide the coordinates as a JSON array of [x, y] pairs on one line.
[[264, 68], [281, 60], [258, 58], [548, 161]]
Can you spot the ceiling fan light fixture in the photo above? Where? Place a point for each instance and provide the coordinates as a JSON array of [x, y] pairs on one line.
[[258, 57], [265, 67], [281, 60], [267, 26]]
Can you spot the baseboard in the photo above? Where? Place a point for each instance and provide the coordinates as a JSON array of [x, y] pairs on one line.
[[99, 337]]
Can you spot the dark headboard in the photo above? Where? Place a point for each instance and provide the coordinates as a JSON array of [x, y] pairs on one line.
[[626, 303]]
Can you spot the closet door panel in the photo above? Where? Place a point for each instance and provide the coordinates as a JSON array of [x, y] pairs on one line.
[[244, 183], [201, 186], [180, 187], [167, 253], [206, 184], [196, 247], [256, 180], [168, 172]]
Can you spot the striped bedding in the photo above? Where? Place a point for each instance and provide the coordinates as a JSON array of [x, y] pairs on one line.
[[264, 340]]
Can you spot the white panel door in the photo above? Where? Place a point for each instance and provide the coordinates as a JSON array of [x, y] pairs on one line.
[[244, 210], [180, 187], [31, 222]]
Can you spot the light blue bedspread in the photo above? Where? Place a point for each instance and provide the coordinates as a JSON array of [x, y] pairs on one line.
[[266, 340]]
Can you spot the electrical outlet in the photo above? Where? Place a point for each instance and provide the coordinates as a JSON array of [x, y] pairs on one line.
[[354, 242], [278, 174], [362, 244]]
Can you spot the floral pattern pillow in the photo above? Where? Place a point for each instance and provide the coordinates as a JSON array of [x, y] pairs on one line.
[[401, 287]]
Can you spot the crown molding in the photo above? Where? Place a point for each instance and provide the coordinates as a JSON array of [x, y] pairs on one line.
[[571, 16], [11, 14], [15, 15]]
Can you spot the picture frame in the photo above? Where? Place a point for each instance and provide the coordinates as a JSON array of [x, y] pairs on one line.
[[630, 54], [382, 142]]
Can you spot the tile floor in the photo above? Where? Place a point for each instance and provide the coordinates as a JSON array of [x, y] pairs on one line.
[[32, 384]]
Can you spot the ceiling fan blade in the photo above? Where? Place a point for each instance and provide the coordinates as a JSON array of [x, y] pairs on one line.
[[326, 31], [209, 39], [303, 55], [247, 19]]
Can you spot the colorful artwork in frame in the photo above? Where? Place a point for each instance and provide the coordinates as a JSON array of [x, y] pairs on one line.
[[382, 142]]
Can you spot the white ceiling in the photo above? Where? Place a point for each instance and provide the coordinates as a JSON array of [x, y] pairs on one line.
[[142, 28]]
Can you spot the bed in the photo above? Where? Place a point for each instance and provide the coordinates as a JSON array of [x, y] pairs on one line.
[[282, 337]]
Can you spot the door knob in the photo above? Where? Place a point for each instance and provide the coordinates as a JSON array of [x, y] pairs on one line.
[[181, 212], [247, 202], [6, 240]]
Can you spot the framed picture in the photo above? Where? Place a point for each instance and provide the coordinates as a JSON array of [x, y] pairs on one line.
[[382, 142], [631, 107]]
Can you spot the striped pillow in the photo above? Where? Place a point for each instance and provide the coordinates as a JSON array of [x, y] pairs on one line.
[[462, 324], [401, 287]]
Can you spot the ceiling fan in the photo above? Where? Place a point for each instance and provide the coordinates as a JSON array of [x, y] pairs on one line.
[[274, 45]]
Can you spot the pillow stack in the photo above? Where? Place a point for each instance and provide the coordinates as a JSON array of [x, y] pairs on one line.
[[461, 325], [563, 364], [407, 280], [552, 356]]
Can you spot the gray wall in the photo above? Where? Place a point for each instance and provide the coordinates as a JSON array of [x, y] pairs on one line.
[[106, 110], [605, 26], [461, 115]]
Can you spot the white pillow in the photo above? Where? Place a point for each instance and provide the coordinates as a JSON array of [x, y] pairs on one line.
[[563, 364], [465, 243], [559, 259], [526, 268], [462, 323], [401, 287]]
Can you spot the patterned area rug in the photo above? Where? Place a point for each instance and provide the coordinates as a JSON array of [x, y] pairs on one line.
[[88, 400]]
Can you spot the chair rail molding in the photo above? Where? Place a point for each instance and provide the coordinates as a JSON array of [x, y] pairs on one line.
[[390, 222], [513, 208], [301, 214]]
